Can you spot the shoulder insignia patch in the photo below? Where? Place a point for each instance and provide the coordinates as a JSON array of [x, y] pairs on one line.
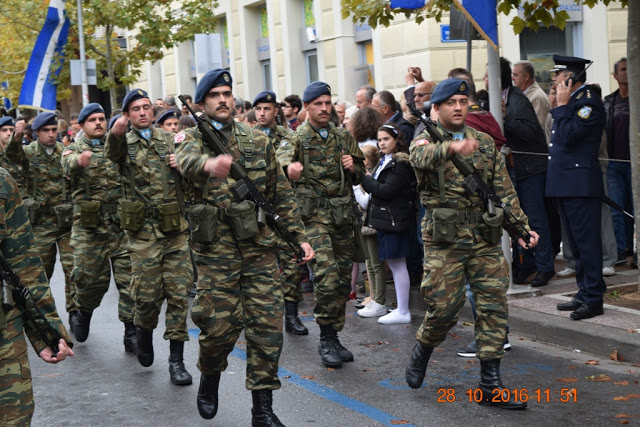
[[179, 137], [422, 142], [585, 112]]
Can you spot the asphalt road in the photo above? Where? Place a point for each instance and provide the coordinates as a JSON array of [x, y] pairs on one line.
[[104, 386]]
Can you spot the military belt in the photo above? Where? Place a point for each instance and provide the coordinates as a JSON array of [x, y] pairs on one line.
[[109, 208], [464, 217], [150, 211]]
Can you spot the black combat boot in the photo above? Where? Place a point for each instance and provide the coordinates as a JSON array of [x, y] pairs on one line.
[[417, 367], [328, 347], [345, 354], [490, 381], [292, 322], [262, 413], [129, 337], [72, 321], [81, 321], [179, 375], [144, 347], [208, 395]]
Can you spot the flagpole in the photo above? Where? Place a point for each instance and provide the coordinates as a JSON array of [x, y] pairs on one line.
[[83, 57]]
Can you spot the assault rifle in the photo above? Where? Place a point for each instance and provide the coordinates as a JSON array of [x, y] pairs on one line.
[[473, 182], [244, 188], [33, 316]]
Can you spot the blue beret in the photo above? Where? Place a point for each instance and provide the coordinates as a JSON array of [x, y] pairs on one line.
[[165, 115], [265, 96], [315, 90], [571, 63], [88, 110], [213, 78], [113, 120], [6, 121], [44, 119], [447, 88], [133, 95]]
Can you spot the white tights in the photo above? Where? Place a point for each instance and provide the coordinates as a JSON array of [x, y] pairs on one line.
[[398, 267]]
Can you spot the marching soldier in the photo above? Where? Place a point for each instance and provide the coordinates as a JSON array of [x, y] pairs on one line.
[[7, 127]]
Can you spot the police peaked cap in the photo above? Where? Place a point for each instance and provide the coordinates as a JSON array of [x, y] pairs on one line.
[[570, 63], [132, 96], [45, 119], [6, 121], [112, 121], [213, 78], [169, 114], [315, 90], [88, 110], [447, 88], [265, 97]]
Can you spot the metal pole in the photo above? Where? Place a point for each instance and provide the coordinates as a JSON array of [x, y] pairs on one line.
[[469, 45], [83, 57]]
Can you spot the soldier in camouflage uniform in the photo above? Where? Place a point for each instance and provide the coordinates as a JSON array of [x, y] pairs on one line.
[[18, 248], [151, 215], [239, 286], [320, 156], [266, 108], [48, 197], [96, 238], [7, 127], [462, 241]]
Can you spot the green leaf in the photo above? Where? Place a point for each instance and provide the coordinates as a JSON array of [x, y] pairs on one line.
[[518, 24]]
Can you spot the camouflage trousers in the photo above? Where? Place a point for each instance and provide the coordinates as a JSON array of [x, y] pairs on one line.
[[16, 392], [239, 288], [332, 268], [443, 289], [161, 269], [93, 248], [51, 239], [291, 276]]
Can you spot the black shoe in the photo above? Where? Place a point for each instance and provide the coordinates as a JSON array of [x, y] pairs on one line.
[[521, 274], [328, 348], [177, 371], [262, 414], [622, 258], [130, 337], [542, 278], [208, 395], [72, 320], [490, 381], [345, 354], [192, 291], [81, 324], [572, 305], [469, 350], [292, 322], [144, 347], [587, 311], [417, 367]]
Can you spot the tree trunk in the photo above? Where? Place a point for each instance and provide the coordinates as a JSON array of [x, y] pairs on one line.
[[633, 74], [111, 72]]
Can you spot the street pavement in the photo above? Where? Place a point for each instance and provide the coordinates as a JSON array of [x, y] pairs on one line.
[[104, 386]]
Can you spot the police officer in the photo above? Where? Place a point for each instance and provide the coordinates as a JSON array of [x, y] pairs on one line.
[[151, 215], [239, 286], [48, 199], [462, 241], [318, 157], [7, 127], [266, 109], [574, 179], [18, 249], [97, 240]]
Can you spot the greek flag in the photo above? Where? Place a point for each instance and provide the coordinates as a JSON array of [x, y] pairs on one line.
[[483, 16], [38, 90], [407, 4]]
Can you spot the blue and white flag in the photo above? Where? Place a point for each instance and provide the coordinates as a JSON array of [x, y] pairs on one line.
[[38, 90], [483, 16], [407, 4]]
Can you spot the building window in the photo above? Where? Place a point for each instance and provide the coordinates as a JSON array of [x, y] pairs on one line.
[[311, 62], [266, 74]]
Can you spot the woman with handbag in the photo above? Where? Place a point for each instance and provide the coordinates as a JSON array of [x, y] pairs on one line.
[[392, 212]]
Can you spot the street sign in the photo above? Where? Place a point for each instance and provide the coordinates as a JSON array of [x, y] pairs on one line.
[[445, 34]]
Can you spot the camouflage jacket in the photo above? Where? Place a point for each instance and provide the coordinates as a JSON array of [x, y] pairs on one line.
[[426, 158], [19, 249], [43, 172], [276, 134], [253, 151], [16, 171], [144, 161]]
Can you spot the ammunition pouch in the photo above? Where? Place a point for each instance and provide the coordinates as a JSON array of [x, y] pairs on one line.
[[204, 223], [90, 213], [7, 304], [64, 215], [169, 216], [131, 215], [341, 210], [445, 225], [243, 219], [306, 199], [491, 227], [34, 210]]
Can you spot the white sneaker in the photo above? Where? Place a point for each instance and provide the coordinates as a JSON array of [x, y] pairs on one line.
[[373, 309], [395, 317], [566, 272], [608, 271]]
